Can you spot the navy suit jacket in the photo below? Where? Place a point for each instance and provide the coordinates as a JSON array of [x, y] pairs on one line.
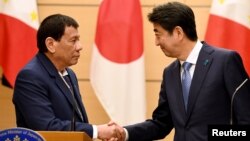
[[43, 101], [217, 74]]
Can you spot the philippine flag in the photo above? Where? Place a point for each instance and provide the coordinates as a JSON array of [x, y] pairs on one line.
[[117, 67], [18, 27], [229, 27]]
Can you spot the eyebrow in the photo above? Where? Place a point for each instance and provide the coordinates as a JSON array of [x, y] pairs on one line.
[[75, 36]]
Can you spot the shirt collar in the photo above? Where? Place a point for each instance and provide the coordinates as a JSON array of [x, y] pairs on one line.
[[193, 56], [64, 73]]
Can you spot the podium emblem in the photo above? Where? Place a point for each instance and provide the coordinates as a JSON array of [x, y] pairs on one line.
[[20, 134]]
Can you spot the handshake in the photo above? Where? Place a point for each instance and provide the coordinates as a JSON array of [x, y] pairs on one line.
[[111, 132]]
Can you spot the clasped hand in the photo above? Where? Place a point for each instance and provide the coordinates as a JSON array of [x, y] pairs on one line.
[[111, 132]]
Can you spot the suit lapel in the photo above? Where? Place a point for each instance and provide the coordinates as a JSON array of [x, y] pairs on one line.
[[176, 83], [78, 97], [202, 66], [65, 90]]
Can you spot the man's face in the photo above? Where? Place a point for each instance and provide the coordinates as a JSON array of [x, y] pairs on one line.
[[165, 40], [67, 50]]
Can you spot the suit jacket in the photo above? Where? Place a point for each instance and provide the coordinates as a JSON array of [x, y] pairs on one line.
[[43, 101], [217, 74]]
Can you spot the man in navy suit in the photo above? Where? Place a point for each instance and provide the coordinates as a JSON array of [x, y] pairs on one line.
[[214, 76], [46, 92]]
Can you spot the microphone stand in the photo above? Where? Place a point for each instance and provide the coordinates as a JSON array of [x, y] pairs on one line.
[[232, 99]]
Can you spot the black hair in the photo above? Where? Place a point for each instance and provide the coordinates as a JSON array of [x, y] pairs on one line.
[[174, 14], [53, 26]]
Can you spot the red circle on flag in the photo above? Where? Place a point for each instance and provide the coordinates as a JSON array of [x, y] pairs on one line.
[[119, 35]]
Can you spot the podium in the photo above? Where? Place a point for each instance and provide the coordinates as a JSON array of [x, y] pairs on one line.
[[64, 136]]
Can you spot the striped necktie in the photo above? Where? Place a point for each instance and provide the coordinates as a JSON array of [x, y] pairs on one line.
[[186, 82]]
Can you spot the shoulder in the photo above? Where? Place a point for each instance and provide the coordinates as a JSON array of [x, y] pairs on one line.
[[175, 65], [218, 49], [32, 73], [33, 68], [219, 52]]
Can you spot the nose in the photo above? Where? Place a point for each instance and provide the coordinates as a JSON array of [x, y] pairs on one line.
[[78, 46]]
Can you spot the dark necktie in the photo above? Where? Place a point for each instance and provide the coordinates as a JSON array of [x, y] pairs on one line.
[[186, 82], [66, 78]]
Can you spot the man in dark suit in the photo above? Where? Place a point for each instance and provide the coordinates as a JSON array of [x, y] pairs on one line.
[[46, 93], [191, 99]]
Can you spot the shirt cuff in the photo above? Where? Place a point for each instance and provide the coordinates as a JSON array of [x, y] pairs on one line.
[[95, 133], [126, 134]]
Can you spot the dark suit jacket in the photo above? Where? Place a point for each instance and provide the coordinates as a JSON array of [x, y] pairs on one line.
[[42, 100], [217, 74]]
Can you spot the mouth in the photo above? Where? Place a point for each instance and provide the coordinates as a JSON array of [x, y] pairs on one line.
[[77, 57]]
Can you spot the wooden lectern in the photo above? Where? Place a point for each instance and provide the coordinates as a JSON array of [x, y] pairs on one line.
[[64, 136]]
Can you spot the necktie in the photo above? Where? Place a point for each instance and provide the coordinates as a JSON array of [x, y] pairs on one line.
[[66, 78], [186, 82]]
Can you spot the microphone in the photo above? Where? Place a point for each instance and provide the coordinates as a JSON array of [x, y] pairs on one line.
[[232, 99]]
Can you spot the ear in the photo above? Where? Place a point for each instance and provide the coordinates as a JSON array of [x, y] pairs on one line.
[[178, 33], [50, 44]]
